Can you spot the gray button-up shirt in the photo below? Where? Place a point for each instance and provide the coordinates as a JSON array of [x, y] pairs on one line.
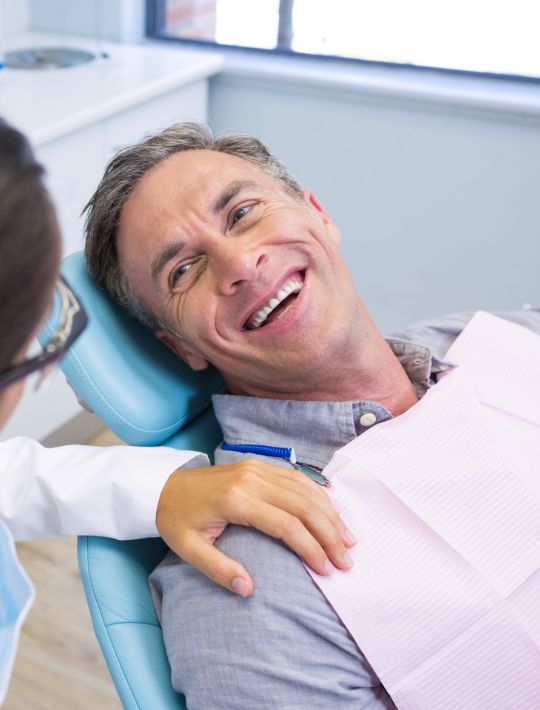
[[316, 429], [284, 647]]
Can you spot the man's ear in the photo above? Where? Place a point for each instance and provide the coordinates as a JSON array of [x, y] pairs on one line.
[[314, 203], [182, 351]]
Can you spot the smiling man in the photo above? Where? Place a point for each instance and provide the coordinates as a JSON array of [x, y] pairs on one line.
[[272, 305], [211, 244]]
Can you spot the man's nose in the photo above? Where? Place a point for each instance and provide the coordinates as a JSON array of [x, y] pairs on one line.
[[235, 263]]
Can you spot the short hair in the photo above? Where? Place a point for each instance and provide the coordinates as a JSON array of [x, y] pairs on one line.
[[122, 174]]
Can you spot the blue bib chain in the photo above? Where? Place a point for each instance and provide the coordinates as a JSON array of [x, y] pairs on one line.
[[278, 452]]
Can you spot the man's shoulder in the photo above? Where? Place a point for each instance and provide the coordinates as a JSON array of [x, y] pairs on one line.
[[439, 333]]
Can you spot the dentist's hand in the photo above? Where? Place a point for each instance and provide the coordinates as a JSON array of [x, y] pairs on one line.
[[196, 505]]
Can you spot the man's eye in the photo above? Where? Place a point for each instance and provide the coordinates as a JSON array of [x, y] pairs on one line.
[[180, 271], [238, 214]]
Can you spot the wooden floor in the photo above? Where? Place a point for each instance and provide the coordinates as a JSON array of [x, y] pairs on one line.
[[59, 664]]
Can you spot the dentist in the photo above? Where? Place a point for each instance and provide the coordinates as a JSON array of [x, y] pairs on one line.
[[120, 492]]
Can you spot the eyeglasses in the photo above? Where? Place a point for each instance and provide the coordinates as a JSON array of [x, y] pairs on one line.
[[71, 323]]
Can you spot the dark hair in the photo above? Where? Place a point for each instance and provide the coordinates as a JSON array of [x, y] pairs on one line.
[[29, 244], [104, 209]]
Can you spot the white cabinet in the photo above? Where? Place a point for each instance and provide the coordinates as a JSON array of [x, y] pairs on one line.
[[75, 160], [74, 166]]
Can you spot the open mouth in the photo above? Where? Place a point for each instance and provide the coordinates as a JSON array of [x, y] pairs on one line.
[[278, 304]]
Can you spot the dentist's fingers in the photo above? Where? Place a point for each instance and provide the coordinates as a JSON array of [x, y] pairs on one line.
[[294, 510], [312, 494], [323, 525], [196, 504], [293, 532], [222, 570], [253, 474]]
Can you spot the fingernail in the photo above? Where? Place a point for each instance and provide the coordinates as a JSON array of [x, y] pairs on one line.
[[240, 586], [328, 567], [347, 559], [350, 537]]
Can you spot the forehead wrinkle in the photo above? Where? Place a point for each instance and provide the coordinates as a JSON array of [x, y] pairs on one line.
[[229, 193]]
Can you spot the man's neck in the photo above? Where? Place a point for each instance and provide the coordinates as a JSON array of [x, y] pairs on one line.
[[379, 377], [365, 369], [316, 428]]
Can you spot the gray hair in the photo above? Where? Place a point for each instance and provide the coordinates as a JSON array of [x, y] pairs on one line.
[[122, 174]]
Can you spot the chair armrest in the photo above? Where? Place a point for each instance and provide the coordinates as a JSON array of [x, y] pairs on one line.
[[115, 580]]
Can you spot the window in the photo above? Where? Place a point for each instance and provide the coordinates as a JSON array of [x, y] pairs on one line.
[[481, 36]]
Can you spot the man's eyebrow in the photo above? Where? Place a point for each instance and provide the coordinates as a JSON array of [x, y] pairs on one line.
[[164, 256], [229, 193]]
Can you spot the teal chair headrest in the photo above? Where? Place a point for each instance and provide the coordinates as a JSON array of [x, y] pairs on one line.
[[126, 376]]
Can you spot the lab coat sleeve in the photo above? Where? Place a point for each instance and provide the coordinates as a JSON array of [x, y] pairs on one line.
[[84, 490]]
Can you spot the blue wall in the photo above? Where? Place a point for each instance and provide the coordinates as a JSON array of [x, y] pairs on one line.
[[439, 207]]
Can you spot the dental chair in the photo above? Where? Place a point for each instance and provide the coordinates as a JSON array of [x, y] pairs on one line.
[[147, 397]]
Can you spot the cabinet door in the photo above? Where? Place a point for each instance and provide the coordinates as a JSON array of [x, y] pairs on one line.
[[74, 166]]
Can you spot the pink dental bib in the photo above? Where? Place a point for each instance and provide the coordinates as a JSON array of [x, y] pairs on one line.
[[444, 595]]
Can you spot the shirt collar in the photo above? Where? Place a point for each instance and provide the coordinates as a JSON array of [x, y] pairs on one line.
[[315, 429]]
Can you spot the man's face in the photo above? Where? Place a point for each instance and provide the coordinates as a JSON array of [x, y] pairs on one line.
[[247, 277]]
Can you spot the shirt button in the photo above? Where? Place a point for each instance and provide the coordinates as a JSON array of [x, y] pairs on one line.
[[368, 419]]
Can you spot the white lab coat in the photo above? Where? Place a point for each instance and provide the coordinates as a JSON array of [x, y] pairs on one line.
[[71, 490], [84, 490]]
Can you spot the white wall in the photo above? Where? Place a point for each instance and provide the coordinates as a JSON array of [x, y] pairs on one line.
[[14, 17], [439, 208], [117, 20]]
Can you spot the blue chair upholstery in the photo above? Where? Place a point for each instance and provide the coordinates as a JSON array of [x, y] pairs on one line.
[[147, 397]]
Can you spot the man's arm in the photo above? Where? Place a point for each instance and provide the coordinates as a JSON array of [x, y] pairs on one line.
[[284, 647]]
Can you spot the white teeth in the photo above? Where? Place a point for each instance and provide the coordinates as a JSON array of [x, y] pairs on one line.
[[262, 314]]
